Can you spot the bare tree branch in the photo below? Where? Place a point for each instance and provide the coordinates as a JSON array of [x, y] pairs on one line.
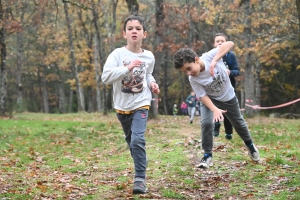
[[77, 4]]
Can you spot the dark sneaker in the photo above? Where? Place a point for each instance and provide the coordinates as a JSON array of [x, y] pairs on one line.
[[228, 136], [217, 129], [206, 161], [191, 121], [253, 152], [139, 186]]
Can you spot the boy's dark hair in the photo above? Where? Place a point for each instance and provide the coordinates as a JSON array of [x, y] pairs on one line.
[[221, 34], [184, 55], [135, 17]]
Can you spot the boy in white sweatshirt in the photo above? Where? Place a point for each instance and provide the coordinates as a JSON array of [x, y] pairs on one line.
[[129, 69]]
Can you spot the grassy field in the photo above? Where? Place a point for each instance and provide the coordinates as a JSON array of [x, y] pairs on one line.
[[84, 156]]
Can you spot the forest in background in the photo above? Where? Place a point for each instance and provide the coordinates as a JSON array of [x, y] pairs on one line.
[[52, 52]]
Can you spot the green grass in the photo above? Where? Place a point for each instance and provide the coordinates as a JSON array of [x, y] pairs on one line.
[[84, 156], [170, 194]]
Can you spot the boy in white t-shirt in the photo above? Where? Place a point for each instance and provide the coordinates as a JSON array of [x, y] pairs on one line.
[[210, 81]]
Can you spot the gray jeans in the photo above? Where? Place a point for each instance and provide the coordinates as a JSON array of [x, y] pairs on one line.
[[233, 114], [192, 111], [134, 127]]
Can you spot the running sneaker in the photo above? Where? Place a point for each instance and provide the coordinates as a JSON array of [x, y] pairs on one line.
[[139, 186], [206, 162], [253, 152]]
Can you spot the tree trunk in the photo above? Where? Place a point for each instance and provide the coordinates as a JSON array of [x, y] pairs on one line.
[[182, 86], [298, 14], [62, 103], [102, 58], [112, 40], [89, 43], [79, 90], [242, 105], [71, 100], [62, 98], [20, 61], [165, 82], [34, 98], [193, 31], [90, 99], [40, 86], [159, 16], [257, 85], [98, 77], [45, 95], [102, 94], [20, 106], [3, 71], [133, 6], [249, 67]]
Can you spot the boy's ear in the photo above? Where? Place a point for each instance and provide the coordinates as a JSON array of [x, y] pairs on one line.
[[145, 34], [196, 59], [124, 34]]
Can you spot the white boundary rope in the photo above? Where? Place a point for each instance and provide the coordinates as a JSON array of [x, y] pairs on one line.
[[278, 106]]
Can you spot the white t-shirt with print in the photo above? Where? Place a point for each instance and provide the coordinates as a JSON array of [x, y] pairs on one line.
[[217, 87]]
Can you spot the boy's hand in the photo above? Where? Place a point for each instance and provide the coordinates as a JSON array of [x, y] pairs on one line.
[[154, 88], [133, 64], [212, 67], [228, 71], [218, 115]]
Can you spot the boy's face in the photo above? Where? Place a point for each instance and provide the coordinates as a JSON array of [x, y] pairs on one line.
[[134, 32], [191, 69], [219, 40]]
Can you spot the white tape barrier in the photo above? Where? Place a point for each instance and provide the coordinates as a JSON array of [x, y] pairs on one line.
[[264, 108]]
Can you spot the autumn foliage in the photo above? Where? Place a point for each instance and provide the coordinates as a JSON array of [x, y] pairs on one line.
[[51, 76]]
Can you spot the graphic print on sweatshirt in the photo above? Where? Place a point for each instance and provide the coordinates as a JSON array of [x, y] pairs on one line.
[[133, 83], [218, 82], [226, 65]]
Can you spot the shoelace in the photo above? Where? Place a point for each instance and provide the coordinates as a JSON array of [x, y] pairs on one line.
[[252, 150], [205, 158]]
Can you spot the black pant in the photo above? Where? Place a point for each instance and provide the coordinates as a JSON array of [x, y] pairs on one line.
[[227, 125]]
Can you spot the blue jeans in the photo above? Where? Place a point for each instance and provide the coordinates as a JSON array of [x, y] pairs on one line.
[[192, 111], [134, 127], [233, 114]]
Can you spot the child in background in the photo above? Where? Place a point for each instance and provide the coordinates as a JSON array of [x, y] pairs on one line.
[[233, 70], [209, 79], [175, 110], [184, 108], [191, 101], [129, 69]]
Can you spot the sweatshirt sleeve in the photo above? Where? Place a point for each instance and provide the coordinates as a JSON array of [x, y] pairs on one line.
[[188, 99], [112, 72], [149, 76]]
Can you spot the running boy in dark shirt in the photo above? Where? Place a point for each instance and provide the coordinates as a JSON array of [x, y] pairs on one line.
[[233, 70]]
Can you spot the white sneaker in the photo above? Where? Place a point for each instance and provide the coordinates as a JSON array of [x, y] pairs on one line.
[[253, 152], [206, 162]]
